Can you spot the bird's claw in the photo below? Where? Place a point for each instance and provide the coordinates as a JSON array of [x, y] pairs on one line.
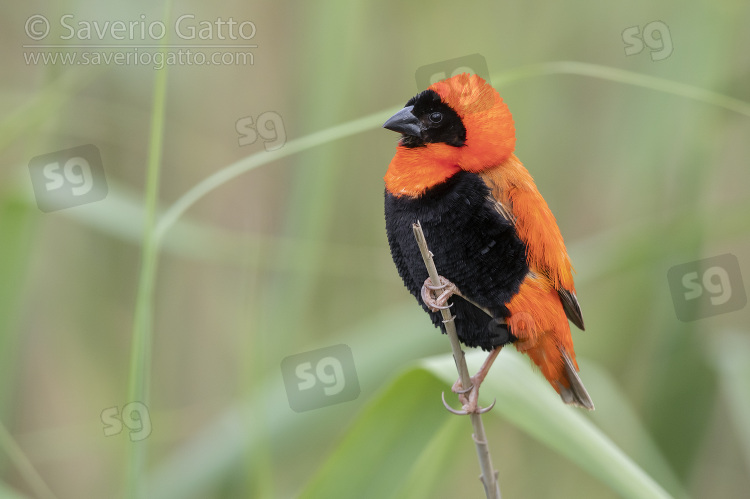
[[468, 408], [488, 408], [443, 284], [451, 409], [441, 302], [462, 391], [455, 388]]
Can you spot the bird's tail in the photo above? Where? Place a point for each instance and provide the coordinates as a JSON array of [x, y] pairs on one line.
[[539, 322], [575, 393], [561, 371]]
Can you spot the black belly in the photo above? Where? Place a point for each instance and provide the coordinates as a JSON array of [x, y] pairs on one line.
[[473, 246]]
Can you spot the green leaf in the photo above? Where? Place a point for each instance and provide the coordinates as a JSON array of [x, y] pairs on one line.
[[434, 460], [525, 399], [409, 444], [730, 356], [393, 432], [7, 493]]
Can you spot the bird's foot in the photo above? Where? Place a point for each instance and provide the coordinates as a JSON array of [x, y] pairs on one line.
[[471, 401], [469, 398], [440, 302]]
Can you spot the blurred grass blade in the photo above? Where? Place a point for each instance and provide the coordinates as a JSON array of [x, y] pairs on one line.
[[7, 493], [24, 467], [253, 161], [436, 459], [18, 225], [46, 102], [212, 451], [395, 430], [731, 354], [525, 399], [615, 416], [140, 351], [627, 77], [375, 120]]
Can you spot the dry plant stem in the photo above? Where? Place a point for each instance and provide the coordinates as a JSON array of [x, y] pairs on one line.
[[489, 475]]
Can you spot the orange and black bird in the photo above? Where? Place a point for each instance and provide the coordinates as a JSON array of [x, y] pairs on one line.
[[495, 242]]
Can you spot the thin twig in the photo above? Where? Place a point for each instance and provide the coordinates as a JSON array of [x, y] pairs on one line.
[[489, 475]]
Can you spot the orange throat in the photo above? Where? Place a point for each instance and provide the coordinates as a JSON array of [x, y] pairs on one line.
[[414, 170]]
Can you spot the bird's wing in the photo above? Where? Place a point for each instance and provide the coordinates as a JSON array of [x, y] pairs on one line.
[[516, 197], [571, 307]]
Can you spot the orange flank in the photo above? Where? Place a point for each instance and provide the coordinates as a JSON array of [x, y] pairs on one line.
[[543, 332], [511, 184]]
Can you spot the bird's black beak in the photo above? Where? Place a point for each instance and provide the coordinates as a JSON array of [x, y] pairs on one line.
[[404, 122]]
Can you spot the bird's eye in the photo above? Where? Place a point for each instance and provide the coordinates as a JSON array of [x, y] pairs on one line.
[[436, 117]]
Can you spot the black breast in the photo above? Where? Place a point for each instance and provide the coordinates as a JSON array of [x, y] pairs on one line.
[[473, 246]]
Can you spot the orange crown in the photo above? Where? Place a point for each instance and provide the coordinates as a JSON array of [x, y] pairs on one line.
[[490, 134]]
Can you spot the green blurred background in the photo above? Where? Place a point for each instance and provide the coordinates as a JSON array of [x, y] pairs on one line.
[[291, 256]]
